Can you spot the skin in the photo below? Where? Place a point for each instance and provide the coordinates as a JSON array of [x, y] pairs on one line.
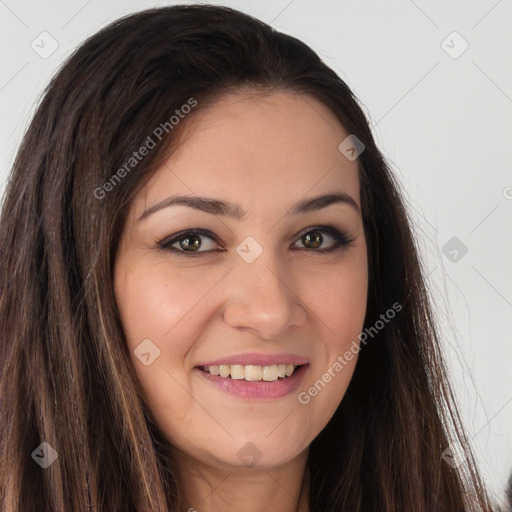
[[265, 153]]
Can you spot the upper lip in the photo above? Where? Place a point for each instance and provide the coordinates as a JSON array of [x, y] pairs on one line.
[[257, 360]]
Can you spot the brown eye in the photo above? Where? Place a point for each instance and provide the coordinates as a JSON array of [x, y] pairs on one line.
[[314, 238], [189, 242], [193, 242]]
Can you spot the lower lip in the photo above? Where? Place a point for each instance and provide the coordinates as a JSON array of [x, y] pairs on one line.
[[260, 390]]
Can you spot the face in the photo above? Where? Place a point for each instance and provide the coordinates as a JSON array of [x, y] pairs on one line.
[[283, 282]]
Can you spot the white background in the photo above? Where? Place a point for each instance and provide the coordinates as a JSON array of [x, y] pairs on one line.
[[444, 123]]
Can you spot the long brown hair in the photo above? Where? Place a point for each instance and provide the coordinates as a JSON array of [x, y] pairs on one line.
[[66, 377]]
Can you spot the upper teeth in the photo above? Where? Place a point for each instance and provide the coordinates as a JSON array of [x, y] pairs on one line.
[[252, 372]]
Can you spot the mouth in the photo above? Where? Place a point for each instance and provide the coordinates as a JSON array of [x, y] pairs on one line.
[[252, 382], [252, 373]]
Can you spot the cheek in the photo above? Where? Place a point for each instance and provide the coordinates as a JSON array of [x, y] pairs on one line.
[[154, 302], [339, 317], [339, 298], [161, 314]]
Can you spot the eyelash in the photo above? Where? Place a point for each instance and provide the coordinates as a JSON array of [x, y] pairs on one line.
[[342, 241]]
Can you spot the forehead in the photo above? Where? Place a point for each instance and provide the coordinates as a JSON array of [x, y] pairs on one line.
[[257, 150]]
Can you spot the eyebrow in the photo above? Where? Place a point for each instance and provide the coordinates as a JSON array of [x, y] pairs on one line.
[[226, 208]]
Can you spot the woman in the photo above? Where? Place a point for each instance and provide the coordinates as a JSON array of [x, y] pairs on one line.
[[210, 293]]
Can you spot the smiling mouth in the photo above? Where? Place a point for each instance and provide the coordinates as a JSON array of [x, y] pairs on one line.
[[252, 373]]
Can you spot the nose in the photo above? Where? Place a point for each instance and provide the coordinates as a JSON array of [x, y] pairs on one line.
[[263, 298]]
